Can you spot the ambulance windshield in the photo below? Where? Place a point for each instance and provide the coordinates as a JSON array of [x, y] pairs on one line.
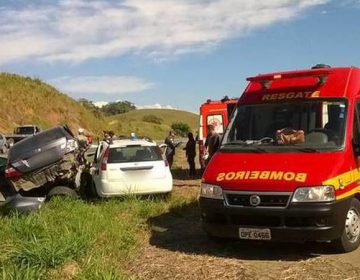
[[305, 126]]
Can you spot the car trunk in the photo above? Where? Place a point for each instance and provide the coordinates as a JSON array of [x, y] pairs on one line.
[[135, 166], [41, 159]]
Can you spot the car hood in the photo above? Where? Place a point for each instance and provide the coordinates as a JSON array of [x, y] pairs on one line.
[[277, 172]]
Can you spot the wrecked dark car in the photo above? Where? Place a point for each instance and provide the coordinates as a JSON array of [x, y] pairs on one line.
[[45, 165]]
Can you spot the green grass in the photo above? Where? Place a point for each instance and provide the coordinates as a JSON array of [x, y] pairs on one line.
[[78, 239], [30, 101], [133, 122], [26, 100]]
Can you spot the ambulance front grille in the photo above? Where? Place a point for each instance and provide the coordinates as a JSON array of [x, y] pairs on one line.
[[266, 200]]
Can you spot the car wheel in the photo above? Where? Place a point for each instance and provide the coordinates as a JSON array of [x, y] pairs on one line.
[[62, 191], [350, 239]]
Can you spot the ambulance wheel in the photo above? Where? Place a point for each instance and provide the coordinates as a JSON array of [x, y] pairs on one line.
[[62, 191], [350, 239]]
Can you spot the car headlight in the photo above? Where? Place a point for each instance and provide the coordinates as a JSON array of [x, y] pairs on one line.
[[314, 194], [211, 191]]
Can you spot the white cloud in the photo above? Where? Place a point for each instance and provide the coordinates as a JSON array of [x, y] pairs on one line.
[[155, 106], [78, 30], [109, 85]]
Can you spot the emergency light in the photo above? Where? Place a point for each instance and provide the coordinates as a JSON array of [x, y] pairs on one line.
[[267, 79]]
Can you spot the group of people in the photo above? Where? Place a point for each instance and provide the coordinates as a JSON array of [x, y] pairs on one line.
[[212, 144]]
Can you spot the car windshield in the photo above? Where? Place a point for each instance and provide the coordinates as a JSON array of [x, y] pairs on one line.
[[134, 153], [306, 126], [25, 130]]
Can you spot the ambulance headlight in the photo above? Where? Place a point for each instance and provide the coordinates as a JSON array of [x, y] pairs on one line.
[[314, 194], [211, 191]]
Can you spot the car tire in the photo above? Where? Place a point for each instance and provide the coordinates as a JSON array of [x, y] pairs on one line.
[[350, 239], [62, 191]]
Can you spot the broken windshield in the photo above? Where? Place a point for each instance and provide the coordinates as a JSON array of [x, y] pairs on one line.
[[305, 126]]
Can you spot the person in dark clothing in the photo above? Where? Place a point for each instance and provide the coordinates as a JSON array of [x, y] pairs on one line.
[[212, 142], [170, 150], [191, 154]]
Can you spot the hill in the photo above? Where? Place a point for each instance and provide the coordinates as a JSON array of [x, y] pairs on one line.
[[25, 100], [133, 122]]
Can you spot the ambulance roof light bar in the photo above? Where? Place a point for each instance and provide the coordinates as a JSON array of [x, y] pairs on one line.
[[267, 79]]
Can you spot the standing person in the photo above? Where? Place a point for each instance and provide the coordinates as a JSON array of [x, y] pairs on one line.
[[191, 154], [212, 142], [170, 151]]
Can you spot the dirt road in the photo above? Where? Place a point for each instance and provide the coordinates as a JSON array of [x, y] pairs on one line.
[[177, 248]]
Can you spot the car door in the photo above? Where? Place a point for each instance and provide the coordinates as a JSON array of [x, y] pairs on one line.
[[97, 162]]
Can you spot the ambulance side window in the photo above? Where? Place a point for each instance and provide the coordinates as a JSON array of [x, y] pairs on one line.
[[356, 130]]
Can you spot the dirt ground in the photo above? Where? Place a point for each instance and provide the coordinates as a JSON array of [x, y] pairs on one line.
[[177, 248]]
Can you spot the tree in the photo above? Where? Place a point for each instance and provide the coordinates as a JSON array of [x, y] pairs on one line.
[[181, 128], [119, 107], [90, 106]]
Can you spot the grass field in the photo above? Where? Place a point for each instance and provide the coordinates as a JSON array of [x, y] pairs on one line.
[[26, 100], [72, 239], [133, 122], [75, 239], [31, 101]]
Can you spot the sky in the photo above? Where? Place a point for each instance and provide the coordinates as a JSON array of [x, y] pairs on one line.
[[172, 53]]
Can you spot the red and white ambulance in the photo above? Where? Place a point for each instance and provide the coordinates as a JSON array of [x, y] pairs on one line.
[[216, 113], [306, 188]]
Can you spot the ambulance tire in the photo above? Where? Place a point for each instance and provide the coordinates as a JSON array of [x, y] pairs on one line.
[[350, 239], [62, 191]]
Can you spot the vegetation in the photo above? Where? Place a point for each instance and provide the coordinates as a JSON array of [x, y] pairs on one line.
[[25, 101], [134, 122], [119, 107], [152, 119], [30, 101], [72, 239], [181, 128]]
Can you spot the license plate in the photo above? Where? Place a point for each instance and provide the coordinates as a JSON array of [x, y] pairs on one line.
[[255, 233]]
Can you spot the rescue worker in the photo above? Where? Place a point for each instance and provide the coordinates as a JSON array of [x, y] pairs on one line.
[[212, 142], [170, 151], [191, 154]]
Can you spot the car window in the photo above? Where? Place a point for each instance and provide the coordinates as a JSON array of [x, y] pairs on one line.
[[134, 153]]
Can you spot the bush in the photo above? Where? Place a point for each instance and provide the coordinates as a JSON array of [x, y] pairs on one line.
[[180, 128], [152, 119], [119, 107]]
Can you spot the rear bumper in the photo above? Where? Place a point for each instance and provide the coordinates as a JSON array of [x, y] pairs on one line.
[[107, 188], [22, 203], [297, 222]]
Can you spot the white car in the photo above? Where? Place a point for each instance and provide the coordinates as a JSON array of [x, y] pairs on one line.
[[131, 167]]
